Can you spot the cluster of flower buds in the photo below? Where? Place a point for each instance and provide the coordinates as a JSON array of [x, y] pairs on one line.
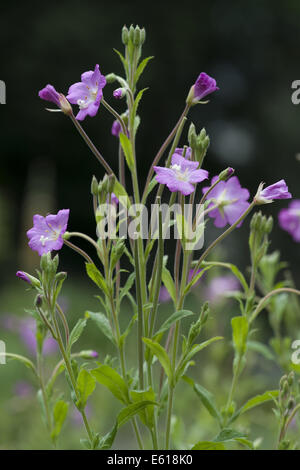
[[104, 188], [136, 36], [288, 390], [199, 143], [260, 227]]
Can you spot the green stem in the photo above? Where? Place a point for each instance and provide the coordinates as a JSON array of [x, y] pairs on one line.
[[91, 146], [260, 305], [79, 250], [222, 236], [42, 385]]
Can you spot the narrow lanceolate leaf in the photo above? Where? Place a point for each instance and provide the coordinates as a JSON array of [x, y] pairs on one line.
[[76, 332], [137, 100], [161, 355], [127, 413], [198, 347], [123, 60], [255, 401], [261, 349], [141, 68], [208, 401], [239, 333], [127, 149], [121, 194], [103, 324], [85, 385], [173, 319], [110, 378], [60, 412], [169, 283], [97, 277], [208, 445]]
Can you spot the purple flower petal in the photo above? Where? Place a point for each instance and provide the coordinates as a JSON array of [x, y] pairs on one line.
[[87, 94], [289, 219], [277, 190], [46, 234], [204, 85], [231, 199]]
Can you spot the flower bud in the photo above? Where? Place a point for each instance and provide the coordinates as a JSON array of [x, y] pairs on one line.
[[143, 36], [131, 33], [225, 174], [33, 281], [94, 186], [61, 276], [110, 78], [125, 35], [291, 378], [89, 354], [111, 183], [38, 301], [119, 93], [65, 105], [137, 37]]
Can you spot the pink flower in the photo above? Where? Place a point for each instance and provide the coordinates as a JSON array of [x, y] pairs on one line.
[[289, 219], [46, 233], [181, 176], [230, 198], [87, 94]]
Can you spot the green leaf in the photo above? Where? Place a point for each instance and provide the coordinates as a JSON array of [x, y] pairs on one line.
[[169, 283], [85, 385], [228, 434], [261, 348], [141, 68], [161, 355], [208, 401], [208, 445], [127, 413], [137, 100], [198, 347], [196, 279], [255, 401], [128, 284], [173, 319], [121, 193], [60, 412], [123, 60], [110, 378], [128, 329], [97, 277], [76, 332], [147, 414], [239, 333], [103, 324], [127, 149], [107, 441]]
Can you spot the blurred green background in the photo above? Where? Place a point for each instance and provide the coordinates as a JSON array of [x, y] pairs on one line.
[[251, 48]]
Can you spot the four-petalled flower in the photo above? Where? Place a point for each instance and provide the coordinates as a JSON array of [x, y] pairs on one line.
[[229, 199], [181, 176], [46, 233], [87, 94]]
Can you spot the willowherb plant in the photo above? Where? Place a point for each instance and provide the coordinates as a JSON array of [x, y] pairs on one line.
[[147, 390]]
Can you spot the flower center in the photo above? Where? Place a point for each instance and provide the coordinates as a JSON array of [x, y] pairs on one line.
[[180, 175]]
